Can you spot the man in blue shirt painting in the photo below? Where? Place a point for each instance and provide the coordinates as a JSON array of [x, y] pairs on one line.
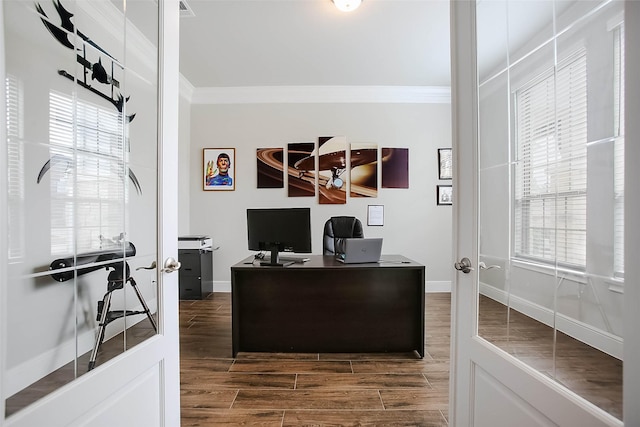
[[222, 177]]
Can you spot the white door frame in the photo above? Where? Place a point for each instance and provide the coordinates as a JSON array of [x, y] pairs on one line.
[[464, 137], [169, 77], [3, 220], [631, 379]]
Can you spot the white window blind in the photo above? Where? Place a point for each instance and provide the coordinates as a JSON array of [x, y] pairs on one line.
[[88, 181], [618, 172], [15, 166], [551, 167]]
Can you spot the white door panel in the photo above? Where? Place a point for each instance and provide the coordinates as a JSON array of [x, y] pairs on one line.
[[138, 383], [123, 407], [490, 387], [85, 397], [528, 392], [497, 405]]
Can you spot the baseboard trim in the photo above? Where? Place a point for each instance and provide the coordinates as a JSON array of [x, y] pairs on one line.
[[222, 286], [438, 286], [602, 340]]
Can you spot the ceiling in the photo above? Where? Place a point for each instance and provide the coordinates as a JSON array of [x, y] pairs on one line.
[[271, 43], [239, 43]]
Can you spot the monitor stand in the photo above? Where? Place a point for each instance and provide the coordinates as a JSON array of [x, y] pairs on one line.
[[273, 261]]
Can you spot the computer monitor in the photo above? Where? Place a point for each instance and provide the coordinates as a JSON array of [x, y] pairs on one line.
[[279, 230]]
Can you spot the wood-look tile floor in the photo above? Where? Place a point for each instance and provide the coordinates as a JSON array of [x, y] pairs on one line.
[[280, 389], [345, 389], [365, 389]]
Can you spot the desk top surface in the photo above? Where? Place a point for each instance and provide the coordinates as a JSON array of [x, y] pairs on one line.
[[328, 261]]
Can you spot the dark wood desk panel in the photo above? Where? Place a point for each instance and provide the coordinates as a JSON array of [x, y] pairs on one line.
[[323, 306]]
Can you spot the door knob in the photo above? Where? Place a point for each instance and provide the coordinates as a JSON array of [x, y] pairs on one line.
[[171, 265], [464, 265]]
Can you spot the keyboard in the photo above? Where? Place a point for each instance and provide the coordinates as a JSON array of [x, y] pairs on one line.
[[294, 259]]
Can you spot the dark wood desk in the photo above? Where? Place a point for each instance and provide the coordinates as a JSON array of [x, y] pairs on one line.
[[324, 306]]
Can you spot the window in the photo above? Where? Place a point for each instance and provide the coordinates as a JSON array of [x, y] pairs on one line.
[[15, 169], [551, 167], [88, 178]]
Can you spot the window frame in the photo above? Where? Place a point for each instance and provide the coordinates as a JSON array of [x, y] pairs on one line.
[[522, 195], [89, 196]]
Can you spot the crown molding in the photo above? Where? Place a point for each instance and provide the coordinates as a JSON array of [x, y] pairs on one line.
[[322, 95]]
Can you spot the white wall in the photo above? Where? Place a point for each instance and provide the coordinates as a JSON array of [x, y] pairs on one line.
[[184, 157], [413, 225]]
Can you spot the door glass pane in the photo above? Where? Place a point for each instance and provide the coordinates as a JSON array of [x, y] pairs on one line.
[[81, 204], [140, 113], [551, 190]]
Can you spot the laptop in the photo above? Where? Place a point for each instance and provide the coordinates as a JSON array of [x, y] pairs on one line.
[[360, 250]]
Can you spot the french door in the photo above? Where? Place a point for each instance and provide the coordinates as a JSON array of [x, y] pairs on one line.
[[489, 386], [89, 221]]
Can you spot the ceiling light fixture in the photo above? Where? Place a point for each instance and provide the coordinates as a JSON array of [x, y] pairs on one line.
[[347, 5]]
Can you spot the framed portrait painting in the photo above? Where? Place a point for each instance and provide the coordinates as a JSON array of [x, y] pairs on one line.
[[218, 169]]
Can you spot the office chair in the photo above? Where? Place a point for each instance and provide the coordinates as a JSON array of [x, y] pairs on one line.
[[337, 228]]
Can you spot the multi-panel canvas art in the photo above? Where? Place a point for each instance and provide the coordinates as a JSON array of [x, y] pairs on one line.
[[301, 169], [364, 170], [332, 163], [270, 164], [395, 168], [334, 166]]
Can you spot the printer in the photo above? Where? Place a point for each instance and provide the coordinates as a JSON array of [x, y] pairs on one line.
[[195, 242]]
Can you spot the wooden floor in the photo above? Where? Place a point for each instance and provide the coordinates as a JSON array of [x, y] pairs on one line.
[[308, 389], [346, 389], [364, 389]]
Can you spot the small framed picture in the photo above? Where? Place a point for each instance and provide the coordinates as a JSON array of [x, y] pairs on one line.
[[444, 194], [444, 163], [375, 215], [218, 166]]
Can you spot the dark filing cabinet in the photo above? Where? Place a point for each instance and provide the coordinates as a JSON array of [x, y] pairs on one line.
[[196, 271]]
